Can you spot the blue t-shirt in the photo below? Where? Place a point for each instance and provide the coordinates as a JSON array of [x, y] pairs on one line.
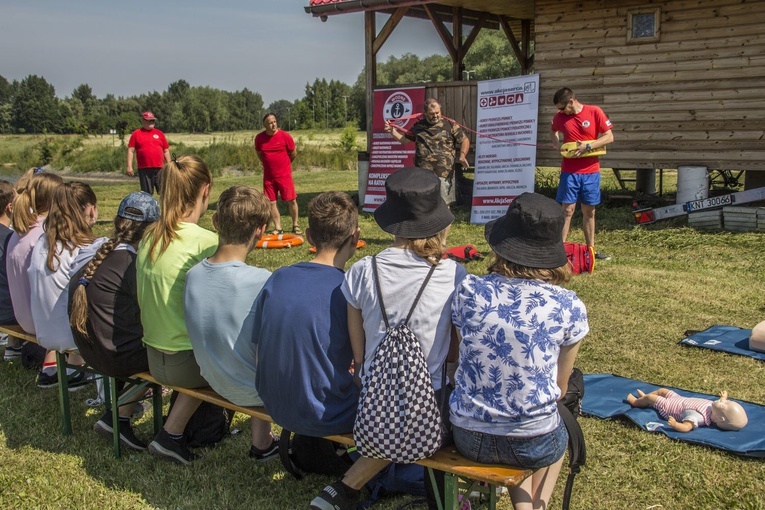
[[304, 351], [218, 308], [6, 307]]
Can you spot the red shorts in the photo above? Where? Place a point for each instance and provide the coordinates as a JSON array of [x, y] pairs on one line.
[[283, 185]]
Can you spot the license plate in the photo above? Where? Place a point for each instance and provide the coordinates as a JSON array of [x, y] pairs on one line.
[[706, 203]]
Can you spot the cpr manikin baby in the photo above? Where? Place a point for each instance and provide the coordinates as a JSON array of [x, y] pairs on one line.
[[686, 413]]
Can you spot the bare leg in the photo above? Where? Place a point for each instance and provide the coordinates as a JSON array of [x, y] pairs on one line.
[[588, 224], [180, 414], [568, 213], [646, 399], [293, 207], [74, 358], [275, 217], [362, 471], [535, 491], [261, 433], [126, 410]]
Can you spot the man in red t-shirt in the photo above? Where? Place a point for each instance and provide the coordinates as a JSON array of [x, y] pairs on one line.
[[152, 151], [580, 173], [276, 150]]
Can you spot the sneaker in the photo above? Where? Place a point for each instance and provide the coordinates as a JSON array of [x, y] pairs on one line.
[[165, 446], [127, 437], [333, 498], [47, 381], [12, 353], [263, 455], [79, 380], [602, 256]]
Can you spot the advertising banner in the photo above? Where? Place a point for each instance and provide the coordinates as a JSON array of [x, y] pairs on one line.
[[505, 152], [386, 154]]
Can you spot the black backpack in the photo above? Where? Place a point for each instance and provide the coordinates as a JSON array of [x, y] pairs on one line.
[[569, 408], [208, 425], [301, 455]]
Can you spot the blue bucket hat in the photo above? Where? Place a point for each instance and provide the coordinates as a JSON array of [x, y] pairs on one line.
[[139, 206]]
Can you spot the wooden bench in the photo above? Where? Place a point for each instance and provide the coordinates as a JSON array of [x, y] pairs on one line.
[[131, 387], [461, 473]]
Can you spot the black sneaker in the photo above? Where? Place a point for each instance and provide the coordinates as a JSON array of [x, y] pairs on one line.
[[271, 452], [47, 381], [12, 353], [165, 446], [602, 256], [127, 437], [79, 380], [333, 498]]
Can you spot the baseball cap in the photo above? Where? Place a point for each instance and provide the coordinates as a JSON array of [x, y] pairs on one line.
[[148, 116], [139, 206]]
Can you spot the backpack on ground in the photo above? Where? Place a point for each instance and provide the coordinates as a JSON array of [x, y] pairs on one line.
[[208, 425], [398, 417], [581, 257], [32, 355], [396, 479], [463, 253], [569, 408], [301, 455]]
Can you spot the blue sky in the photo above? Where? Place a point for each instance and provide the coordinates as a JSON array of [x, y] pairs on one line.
[[126, 48]]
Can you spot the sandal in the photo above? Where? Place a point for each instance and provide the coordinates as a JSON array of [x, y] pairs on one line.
[[296, 230], [276, 232]]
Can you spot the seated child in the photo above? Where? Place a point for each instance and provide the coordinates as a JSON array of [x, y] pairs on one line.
[[218, 302], [301, 329], [103, 308], [686, 413], [7, 194]]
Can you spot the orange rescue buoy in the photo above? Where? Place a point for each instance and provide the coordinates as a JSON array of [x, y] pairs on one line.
[[360, 244], [279, 241]]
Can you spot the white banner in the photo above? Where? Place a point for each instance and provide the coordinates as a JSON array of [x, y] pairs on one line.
[[505, 152]]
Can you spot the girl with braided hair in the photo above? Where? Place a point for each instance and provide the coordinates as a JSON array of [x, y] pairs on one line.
[[103, 308]]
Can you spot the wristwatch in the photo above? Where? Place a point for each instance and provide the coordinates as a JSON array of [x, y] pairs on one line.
[[588, 147]]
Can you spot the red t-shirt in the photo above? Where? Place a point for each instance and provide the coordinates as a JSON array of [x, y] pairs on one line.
[[275, 151], [583, 126], [149, 147]]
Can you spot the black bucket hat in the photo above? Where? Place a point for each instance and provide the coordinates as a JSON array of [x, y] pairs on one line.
[[413, 206], [530, 233]]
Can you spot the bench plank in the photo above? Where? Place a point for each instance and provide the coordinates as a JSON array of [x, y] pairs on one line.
[[18, 332]]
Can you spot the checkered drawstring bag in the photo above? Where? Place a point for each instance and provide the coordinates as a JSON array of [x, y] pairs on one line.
[[398, 417]]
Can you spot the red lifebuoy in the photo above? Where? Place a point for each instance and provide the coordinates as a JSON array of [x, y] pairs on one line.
[[279, 241]]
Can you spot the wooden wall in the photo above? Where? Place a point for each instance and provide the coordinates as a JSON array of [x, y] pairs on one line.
[[695, 97]]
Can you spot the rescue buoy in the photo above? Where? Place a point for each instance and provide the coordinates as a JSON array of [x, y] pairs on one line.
[[567, 150], [279, 241], [360, 244]]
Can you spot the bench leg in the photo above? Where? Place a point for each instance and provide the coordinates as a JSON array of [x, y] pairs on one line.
[[63, 394], [115, 409], [156, 400], [451, 492], [492, 497]]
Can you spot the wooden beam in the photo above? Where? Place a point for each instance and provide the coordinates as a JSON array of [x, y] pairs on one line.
[[443, 33], [457, 42], [390, 25], [370, 63], [472, 36], [511, 39], [526, 41]]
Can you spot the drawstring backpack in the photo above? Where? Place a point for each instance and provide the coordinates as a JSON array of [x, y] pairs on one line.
[[398, 417]]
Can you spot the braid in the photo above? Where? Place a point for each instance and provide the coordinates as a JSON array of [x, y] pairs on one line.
[[78, 317]]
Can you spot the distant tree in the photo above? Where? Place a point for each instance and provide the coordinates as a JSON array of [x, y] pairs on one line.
[[283, 110], [491, 57], [6, 91], [35, 106], [83, 93]]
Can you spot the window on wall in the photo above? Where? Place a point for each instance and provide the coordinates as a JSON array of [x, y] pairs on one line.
[[643, 25]]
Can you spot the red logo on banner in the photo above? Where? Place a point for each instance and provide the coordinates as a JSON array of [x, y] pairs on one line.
[[398, 105]]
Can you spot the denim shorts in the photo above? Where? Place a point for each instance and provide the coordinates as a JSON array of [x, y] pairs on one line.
[[521, 452], [584, 188]]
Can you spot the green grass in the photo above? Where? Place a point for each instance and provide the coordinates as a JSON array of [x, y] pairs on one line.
[[664, 279]]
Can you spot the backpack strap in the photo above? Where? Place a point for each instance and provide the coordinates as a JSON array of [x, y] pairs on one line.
[[284, 455], [379, 292], [576, 450]]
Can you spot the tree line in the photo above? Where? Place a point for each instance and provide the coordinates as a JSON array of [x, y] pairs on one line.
[[31, 105]]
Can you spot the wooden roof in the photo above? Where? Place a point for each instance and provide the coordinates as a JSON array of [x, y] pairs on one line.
[[511, 9]]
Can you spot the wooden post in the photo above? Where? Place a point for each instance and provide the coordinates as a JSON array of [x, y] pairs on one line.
[[370, 63]]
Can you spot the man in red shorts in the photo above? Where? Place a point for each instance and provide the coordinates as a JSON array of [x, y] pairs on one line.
[[152, 152], [276, 150]]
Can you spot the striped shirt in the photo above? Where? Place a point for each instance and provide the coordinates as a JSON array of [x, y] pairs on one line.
[[674, 405]]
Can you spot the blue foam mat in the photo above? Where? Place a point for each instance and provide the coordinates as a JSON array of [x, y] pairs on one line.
[[605, 397], [724, 338]]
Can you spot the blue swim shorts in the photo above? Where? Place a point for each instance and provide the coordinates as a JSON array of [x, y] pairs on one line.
[[584, 188]]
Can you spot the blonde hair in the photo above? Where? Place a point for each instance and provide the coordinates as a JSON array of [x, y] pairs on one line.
[[21, 184], [504, 267], [180, 182], [430, 248], [125, 231], [33, 200], [241, 210], [66, 222]]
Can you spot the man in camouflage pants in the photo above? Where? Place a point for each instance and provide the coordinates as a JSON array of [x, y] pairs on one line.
[[437, 140]]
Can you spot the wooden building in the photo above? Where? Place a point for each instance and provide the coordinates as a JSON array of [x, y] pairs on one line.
[[680, 79]]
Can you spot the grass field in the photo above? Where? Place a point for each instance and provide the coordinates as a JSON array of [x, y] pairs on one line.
[[664, 279]]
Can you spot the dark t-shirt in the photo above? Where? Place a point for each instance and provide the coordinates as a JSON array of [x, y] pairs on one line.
[[6, 307], [437, 145], [115, 345]]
